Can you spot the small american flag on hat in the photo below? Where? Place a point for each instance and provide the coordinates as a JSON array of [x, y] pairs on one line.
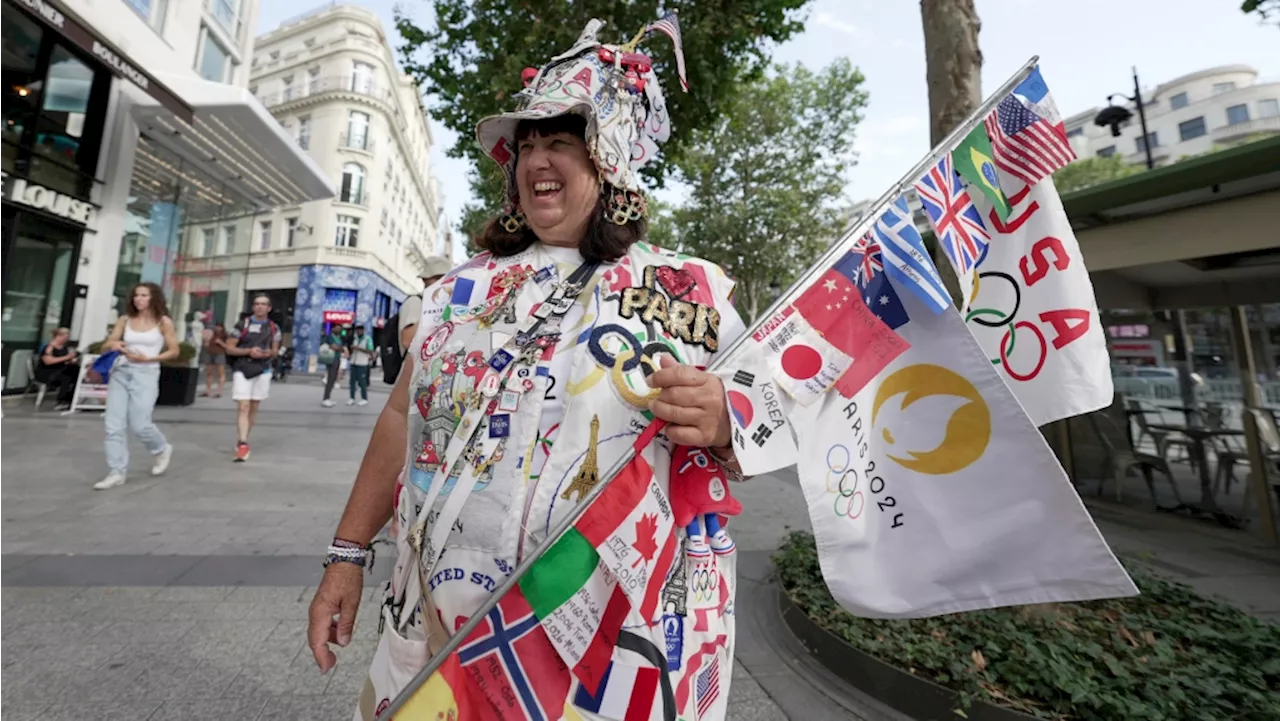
[[669, 25]]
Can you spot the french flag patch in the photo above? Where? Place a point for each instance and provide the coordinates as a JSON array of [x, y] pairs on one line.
[[627, 693]]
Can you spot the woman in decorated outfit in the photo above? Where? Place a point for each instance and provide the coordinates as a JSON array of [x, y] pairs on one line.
[[535, 367]]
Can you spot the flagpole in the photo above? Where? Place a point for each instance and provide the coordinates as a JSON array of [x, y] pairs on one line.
[[946, 146]]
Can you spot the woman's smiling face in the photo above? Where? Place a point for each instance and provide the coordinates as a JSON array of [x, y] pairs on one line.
[[558, 185]]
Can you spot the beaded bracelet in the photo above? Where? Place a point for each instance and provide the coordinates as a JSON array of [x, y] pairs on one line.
[[343, 551]]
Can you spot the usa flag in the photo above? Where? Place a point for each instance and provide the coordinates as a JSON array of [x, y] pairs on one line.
[[866, 263], [708, 686], [905, 258], [956, 219], [1028, 138], [669, 25]]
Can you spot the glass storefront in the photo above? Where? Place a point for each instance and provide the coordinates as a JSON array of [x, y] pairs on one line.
[[188, 233], [54, 105]]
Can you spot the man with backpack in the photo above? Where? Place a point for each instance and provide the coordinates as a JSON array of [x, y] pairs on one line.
[[254, 342], [405, 323]]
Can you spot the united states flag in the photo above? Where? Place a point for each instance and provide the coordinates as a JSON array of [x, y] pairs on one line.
[[1028, 138], [707, 688], [669, 25], [956, 219]]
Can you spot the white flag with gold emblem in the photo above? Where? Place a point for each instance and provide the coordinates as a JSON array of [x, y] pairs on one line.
[[931, 492]]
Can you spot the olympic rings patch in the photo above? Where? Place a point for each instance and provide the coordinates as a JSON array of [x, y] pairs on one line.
[[705, 582]]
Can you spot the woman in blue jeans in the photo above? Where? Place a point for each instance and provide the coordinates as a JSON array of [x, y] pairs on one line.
[[144, 336]]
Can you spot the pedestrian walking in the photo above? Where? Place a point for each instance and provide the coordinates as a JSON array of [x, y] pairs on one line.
[[254, 342], [144, 335], [411, 310], [331, 354], [213, 356], [361, 358], [509, 400], [59, 367]]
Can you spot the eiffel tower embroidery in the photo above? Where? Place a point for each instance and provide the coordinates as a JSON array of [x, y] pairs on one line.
[[588, 474]]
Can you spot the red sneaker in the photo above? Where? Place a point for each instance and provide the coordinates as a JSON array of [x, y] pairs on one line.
[[242, 452]]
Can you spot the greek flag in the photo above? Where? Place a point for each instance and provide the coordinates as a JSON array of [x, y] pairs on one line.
[[905, 259]]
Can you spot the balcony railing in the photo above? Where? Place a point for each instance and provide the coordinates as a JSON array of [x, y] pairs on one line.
[[331, 84], [361, 198], [356, 141], [1235, 131]]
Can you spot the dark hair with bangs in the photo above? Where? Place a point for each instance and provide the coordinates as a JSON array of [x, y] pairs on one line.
[[603, 240]]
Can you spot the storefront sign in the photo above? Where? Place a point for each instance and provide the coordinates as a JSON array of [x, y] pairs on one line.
[[120, 64], [339, 316], [34, 195]]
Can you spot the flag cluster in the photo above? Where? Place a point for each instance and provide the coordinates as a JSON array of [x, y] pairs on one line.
[[1020, 143]]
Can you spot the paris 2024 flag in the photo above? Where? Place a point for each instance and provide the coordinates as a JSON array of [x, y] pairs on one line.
[[931, 491]]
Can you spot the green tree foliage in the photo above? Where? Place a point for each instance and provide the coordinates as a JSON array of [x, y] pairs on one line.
[[470, 57], [765, 179], [1266, 10], [1091, 171]]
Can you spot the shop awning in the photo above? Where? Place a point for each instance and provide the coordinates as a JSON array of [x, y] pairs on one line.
[[235, 140]]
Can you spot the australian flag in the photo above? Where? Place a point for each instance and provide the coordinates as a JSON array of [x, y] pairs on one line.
[[864, 265]]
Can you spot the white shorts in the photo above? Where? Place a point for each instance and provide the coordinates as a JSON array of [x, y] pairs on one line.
[[250, 389]]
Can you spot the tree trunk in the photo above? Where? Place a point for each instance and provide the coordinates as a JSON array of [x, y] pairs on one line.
[[954, 73]]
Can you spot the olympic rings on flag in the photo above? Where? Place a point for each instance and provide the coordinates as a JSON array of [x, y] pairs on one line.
[[849, 501], [1006, 347], [705, 582], [974, 315]]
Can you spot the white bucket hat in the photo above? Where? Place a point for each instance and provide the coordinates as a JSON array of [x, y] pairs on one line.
[[615, 89]]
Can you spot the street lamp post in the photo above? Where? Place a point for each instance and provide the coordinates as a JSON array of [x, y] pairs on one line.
[[1116, 115]]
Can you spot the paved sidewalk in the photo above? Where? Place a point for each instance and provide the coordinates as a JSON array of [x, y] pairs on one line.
[[185, 596]]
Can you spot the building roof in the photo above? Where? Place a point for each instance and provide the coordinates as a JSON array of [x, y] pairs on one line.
[[1242, 170]]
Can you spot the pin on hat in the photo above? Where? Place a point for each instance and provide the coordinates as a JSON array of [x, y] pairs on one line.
[[615, 89]]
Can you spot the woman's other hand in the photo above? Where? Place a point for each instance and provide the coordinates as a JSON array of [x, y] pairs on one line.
[[692, 403], [338, 595]]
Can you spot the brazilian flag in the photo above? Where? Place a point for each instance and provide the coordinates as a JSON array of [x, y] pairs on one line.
[[972, 159]]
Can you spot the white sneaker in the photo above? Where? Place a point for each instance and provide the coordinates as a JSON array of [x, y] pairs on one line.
[[351, 402], [363, 402], [161, 463], [112, 480], [327, 403]]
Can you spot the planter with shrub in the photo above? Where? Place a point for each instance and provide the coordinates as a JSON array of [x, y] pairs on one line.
[[1168, 653]]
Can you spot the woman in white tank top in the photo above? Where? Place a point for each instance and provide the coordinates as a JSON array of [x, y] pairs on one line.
[[144, 336]]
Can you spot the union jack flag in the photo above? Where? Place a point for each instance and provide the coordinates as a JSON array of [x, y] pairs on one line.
[[669, 25], [872, 261], [955, 218]]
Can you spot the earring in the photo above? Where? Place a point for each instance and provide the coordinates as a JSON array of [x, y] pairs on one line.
[[622, 207], [512, 220]]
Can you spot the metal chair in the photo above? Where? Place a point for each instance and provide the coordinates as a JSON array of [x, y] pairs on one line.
[[1120, 456], [39, 385]]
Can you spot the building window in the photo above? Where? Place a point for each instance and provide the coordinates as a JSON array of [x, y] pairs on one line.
[[264, 235], [289, 92], [1151, 141], [214, 59], [304, 132], [358, 130], [362, 78], [348, 233], [290, 232], [1075, 132], [1107, 152], [228, 239], [153, 11], [309, 42], [207, 239], [1223, 87], [352, 184], [313, 80], [1268, 108], [1192, 128], [1178, 101], [225, 12], [1237, 114], [275, 55]]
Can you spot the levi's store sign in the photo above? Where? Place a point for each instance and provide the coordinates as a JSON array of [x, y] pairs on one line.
[[34, 195], [339, 316]]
